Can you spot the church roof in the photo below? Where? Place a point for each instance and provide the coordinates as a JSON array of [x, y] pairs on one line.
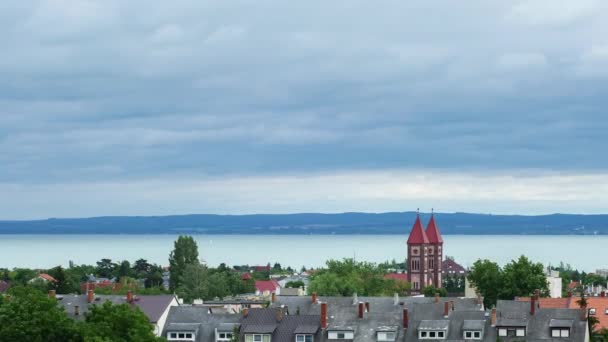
[[432, 232], [417, 235]]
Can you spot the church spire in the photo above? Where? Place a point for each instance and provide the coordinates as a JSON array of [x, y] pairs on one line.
[[432, 232], [417, 235]]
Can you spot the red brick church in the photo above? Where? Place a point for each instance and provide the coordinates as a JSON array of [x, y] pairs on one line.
[[424, 255]]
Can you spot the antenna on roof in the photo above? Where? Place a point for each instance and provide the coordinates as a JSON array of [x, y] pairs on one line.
[[418, 211]]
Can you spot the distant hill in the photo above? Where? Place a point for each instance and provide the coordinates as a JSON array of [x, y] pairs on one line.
[[309, 223]]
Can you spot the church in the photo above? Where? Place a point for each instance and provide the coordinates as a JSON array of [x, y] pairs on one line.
[[424, 255]]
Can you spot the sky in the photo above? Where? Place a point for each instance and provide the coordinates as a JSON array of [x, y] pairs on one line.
[[115, 107]]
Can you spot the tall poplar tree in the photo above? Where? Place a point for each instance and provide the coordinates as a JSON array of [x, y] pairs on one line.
[[185, 252]]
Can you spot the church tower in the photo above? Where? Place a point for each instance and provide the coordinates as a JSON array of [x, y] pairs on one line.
[[424, 255], [435, 252], [417, 257]]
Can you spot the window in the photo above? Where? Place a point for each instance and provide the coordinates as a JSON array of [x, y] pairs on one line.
[[606, 311], [181, 336], [340, 335], [303, 338], [592, 311], [472, 335], [502, 332], [386, 336], [423, 334], [440, 334], [520, 332], [415, 265], [431, 334], [221, 337], [257, 338]]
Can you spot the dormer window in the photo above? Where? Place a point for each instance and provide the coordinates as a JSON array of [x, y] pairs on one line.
[[386, 333], [181, 336], [472, 335], [341, 334], [511, 332], [304, 338], [560, 332], [431, 335]]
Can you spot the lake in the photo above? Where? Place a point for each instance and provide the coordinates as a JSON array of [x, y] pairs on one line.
[[44, 251]]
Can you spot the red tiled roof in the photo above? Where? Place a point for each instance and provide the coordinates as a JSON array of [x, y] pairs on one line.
[[262, 268], [417, 235], [396, 276], [246, 276], [432, 232], [549, 303], [451, 265], [600, 304], [47, 277], [266, 285]]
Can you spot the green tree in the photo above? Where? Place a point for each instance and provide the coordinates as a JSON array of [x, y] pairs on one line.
[[64, 284], [522, 277], [431, 291], [29, 315], [117, 323], [295, 284], [185, 252], [124, 270], [21, 276], [485, 276], [105, 268], [194, 283]]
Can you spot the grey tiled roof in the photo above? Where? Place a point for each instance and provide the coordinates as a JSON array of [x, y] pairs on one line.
[[285, 328], [200, 317], [153, 306], [434, 325]]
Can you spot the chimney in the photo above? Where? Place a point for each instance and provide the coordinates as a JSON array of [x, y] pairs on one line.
[[52, 294], [129, 297], [76, 310], [314, 297], [90, 296], [569, 294], [273, 298], [584, 313], [493, 318], [396, 299], [405, 319], [446, 309], [360, 310], [245, 312], [323, 315], [366, 306], [279, 314], [437, 297], [452, 304], [532, 305]]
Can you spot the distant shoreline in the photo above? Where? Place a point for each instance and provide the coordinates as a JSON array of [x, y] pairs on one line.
[[392, 223]]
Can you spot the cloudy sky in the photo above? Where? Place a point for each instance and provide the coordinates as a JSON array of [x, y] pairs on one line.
[[115, 107]]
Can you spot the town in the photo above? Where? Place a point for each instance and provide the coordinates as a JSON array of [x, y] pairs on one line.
[[427, 297]]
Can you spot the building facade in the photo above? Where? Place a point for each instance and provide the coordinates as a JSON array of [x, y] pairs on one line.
[[424, 255]]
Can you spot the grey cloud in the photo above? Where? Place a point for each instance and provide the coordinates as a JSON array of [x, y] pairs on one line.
[[125, 90]]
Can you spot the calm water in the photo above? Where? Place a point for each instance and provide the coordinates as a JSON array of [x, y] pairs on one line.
[[583, 252]]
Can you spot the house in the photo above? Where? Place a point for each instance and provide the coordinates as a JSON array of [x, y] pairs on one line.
[[4, 286], [596, 306], [267, 287], [361, 319], [265, 268], [278, 325], [555, 283], [518, 320], [155, 307], [451, 267], [197, 323], [46, 278], [245, 276]]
